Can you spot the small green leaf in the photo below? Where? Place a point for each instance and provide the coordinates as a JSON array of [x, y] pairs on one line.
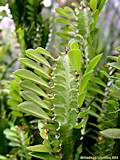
[[81, 98], [92, 64], [43, 134], [31, 64], [118, 60], [12, 135], [84, 81], [63, 20], [105, 73], [96, 89], [101, 5], [114, 65], [98, 81], [114, 58], [3, 158], [111, 133], [92, 113], [64, 35], [29, 85], [33, 109], [29, 75], [40, 50], [31, 96], [40, 148], [37, 148], [80, 124], [43, 52], [96, 15], [73, 44], [15, 96], [75, 57], [14, 85], [93, 4], [68, 9], [43, 156], [84, 113], [37, 57], [115, 92], [62, 12], [11, 102], [14, 144], [73, 4]]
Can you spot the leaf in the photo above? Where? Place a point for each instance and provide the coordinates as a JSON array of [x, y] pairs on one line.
[[14, 144], [93, 4], [84, 113], [40, 148], [75, 57], [114, 65], [29, 85], [12, 135], [80, 124], [31, 96], [98, 81], [16, 113], [114, 58], [40, 50], [43, 134], [79, 151], [14, 85], [11, 102], [96, 15], [43, 52], [118, 60], [3, 157], [81, 98], [37, 57], [33, 109], [84, 81], [111, 133], [64, 35], [73, 44], [43, 156], [105, 73], [29, 75], [92, 64], [63, 20], [115, 92], [31, 64], [92, 113], [15, 96], [62, 12], [68, 9], [96, 89], [100, 7]]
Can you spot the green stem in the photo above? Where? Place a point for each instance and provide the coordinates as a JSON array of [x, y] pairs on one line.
[[67, 143]]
